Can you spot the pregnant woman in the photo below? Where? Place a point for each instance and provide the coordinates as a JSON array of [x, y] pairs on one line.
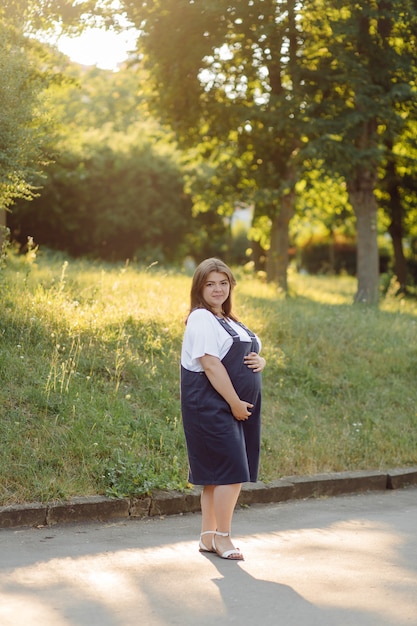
[[220, 402]]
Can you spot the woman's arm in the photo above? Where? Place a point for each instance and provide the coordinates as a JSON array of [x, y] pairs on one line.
[[219, 378]]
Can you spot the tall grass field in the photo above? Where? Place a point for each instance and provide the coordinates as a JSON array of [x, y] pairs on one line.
[[89, 378]]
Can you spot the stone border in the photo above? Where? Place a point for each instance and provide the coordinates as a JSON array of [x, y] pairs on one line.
[[98, 508]]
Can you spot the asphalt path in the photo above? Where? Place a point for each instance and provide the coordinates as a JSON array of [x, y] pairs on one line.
[[347, 560]]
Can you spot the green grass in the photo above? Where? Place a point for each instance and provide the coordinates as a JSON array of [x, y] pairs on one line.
[[89, 378]]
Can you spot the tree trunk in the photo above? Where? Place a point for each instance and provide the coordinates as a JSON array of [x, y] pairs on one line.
[[362, 199], [396, 214], [400, 264], [2, 227], [258, 256], [277, 260]]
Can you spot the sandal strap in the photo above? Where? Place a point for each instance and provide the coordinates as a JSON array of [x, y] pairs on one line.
[[208, 532], [229, 553], [217, 532]]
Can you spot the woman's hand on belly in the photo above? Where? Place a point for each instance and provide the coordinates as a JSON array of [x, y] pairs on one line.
[[254, 361], [220, 379], [241, 410]]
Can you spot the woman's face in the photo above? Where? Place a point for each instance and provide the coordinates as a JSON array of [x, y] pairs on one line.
[[216, 290]]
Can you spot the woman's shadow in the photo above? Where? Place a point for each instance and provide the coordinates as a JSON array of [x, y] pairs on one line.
[[249, 600]]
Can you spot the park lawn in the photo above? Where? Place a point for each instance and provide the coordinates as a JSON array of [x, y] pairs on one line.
[[89, 373]]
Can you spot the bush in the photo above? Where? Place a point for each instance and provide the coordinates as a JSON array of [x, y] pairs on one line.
[[327, 257], [109, 202]]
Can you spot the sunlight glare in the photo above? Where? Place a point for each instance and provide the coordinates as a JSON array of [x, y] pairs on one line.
[[105, 49], [340, 559]]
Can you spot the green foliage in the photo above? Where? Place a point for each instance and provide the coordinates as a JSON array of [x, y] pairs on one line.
[[359, 76], [89, 389], [115, 197], [280, 83], [35, 16], [102, 99], [234, 91], [360, 80], [254, 88], [115, 189], [22, 125], [322, 206]]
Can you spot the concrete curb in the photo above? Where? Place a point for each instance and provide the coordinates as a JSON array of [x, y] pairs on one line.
[[98, 508]]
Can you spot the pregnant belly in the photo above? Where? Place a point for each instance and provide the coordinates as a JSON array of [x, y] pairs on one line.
[[247, 383]]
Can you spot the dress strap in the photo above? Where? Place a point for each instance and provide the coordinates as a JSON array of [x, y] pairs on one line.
[[250, 333], [231, 331], [228, 328]]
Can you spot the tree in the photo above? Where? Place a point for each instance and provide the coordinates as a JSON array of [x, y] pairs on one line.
[[357, 77], [22, 122], [227, 73]]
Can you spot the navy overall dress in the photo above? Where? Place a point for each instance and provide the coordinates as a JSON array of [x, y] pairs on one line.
[[221, 449]]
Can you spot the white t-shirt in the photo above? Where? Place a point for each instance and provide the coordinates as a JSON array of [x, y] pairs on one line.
[[205, 335]]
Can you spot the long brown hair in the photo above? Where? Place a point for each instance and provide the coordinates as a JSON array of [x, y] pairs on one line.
[[199, 280]]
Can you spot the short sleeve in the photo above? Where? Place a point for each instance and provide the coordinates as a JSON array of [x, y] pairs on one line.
[[202, 334]]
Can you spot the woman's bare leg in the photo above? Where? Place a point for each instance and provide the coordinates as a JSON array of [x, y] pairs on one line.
[[208, 517], [218, 503], [224, 500]]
